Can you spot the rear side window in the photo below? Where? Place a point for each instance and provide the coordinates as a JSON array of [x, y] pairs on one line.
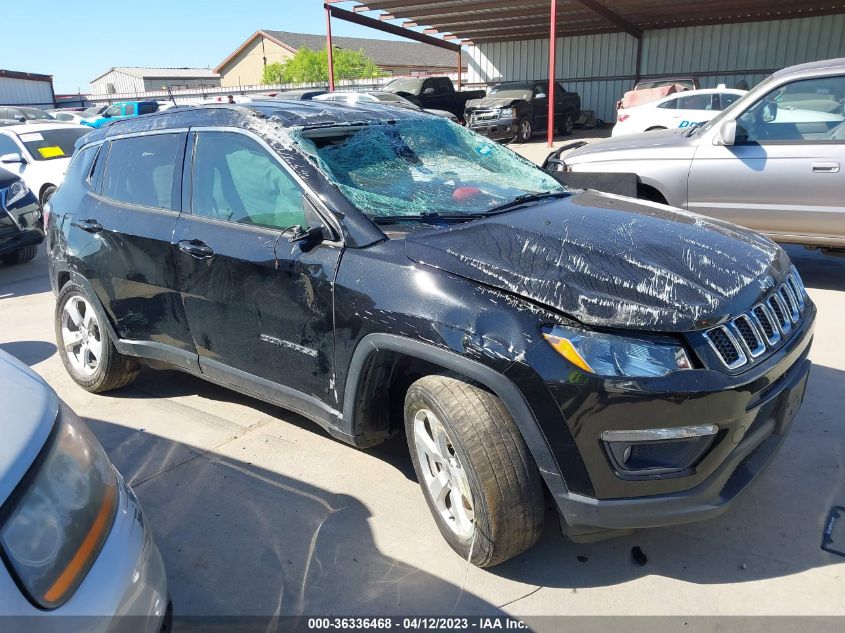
[[130, 109], [235, 179], [147, 108], [696, 102], [140, 170], [79, 170]]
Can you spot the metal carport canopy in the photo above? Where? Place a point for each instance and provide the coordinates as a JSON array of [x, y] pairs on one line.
[[502, 20], [470, 22]]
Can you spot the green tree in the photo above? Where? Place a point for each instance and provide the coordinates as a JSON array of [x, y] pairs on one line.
[[308, 66]]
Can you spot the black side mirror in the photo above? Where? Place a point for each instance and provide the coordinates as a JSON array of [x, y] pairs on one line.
[[309, 238]]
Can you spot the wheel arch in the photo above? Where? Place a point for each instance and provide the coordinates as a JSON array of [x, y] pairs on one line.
[[41, 191], [376, 357]]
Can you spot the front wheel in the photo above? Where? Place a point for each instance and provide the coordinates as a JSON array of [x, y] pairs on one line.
[[478, 477], [524, 130], [20, 256]]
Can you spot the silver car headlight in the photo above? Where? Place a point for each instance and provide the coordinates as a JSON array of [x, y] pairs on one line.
[[55, 523], [611, 355]]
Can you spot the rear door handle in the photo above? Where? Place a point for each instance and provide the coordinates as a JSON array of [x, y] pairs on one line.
[[826, 168], [196, 248], [90, 226]]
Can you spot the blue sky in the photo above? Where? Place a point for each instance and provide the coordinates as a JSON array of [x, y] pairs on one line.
[[76, 41]]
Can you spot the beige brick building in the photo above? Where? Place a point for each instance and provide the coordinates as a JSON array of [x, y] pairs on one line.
[[245, 66]]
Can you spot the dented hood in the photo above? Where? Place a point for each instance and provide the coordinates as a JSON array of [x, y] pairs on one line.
[[611, 261], [492, 102]]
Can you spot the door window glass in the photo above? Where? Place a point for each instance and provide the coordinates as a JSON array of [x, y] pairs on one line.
[[809, 110], [130, 109], [726, 99], [235, 179], [696, 102], [147, 108], [112, 111], [672, 104], [140, 170]]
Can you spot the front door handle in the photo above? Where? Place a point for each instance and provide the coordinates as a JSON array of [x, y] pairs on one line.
[[196, 248], [90, 226], [831, 167]]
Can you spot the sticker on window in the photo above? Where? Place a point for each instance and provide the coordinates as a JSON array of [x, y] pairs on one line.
[[51, 152], [31, 137]]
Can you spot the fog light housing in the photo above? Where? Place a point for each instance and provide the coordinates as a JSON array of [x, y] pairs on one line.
[[658, 452]]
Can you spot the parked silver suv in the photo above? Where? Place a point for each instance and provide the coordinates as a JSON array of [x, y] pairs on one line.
[[771, 162]]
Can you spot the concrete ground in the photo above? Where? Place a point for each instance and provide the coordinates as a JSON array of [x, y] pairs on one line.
[[537, 150], [258, 511]]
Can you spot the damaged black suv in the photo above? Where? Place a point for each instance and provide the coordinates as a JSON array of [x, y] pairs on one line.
[[380, 270]]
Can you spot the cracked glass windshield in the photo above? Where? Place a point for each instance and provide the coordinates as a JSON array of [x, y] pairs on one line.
[[420, 167]]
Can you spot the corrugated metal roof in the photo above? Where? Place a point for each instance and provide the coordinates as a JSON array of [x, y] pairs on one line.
[[504, 20], [382, 52], [147, 73]]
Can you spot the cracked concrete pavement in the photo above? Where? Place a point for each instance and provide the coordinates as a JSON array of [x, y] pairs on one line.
[[258, 511]]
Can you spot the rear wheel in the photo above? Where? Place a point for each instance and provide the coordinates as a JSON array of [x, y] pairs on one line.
[[567, 124], [524, 130], [86, 350], [478, 477], [20, 256]]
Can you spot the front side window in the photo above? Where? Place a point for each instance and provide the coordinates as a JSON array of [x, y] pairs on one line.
[[235, 179], [130, 109], [8, 146], [113, 110], [421, 166], [726, 99], [140, 170], [809, 110], [147, 108], [51, 144]]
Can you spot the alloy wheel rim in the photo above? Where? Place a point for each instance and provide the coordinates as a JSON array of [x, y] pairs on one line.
[[526, 129], [81, 335], [443, 474]]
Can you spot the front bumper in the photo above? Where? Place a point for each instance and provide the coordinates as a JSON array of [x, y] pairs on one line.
[[125, 590], [503, 129], [753, 411]]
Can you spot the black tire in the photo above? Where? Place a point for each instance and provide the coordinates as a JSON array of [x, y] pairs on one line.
[[48, 193], [506, 489], [114, 370], [20, 256], [566, 125], [524, 130]]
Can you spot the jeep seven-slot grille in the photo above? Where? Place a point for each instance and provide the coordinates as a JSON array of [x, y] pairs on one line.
[[748, 336]]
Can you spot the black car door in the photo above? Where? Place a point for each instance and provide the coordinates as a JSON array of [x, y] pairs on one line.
[[540, 105], [121, 241], [259, 306]]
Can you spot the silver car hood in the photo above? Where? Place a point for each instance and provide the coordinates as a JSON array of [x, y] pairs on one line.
[[30, 408], [657, 143]]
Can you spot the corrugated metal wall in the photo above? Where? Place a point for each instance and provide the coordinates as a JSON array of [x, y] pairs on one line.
[[26, 92], [602, 67], [121, 82]]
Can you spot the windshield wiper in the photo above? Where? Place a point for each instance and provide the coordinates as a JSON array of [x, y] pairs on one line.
[[528, 197], [432, 216], [692, 128]]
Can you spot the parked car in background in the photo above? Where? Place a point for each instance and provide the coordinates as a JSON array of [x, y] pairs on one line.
[[304, 94], [516, 110], [72, 534], [772, 161], [377, 269], [379, 96], [20, 221], [69, 116], [122, 110], [21, 114], [685, 81], [652, 89], [437, 93], [678, 110], [39, 153]]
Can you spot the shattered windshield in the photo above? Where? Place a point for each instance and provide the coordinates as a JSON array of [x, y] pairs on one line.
[[420, 167]]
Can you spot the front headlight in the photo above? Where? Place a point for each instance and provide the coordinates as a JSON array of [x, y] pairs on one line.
[[61, 514], [15, 192], [610, 355]]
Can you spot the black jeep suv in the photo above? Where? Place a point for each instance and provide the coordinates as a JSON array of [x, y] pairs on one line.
[[376, 269]]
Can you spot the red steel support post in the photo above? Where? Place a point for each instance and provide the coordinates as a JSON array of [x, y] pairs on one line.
[[551, 93], [329, 48]]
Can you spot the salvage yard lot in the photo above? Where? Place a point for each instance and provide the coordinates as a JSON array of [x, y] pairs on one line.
[[257, 510]]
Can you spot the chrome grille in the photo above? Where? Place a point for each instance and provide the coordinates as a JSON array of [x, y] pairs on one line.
[[748, 336]]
